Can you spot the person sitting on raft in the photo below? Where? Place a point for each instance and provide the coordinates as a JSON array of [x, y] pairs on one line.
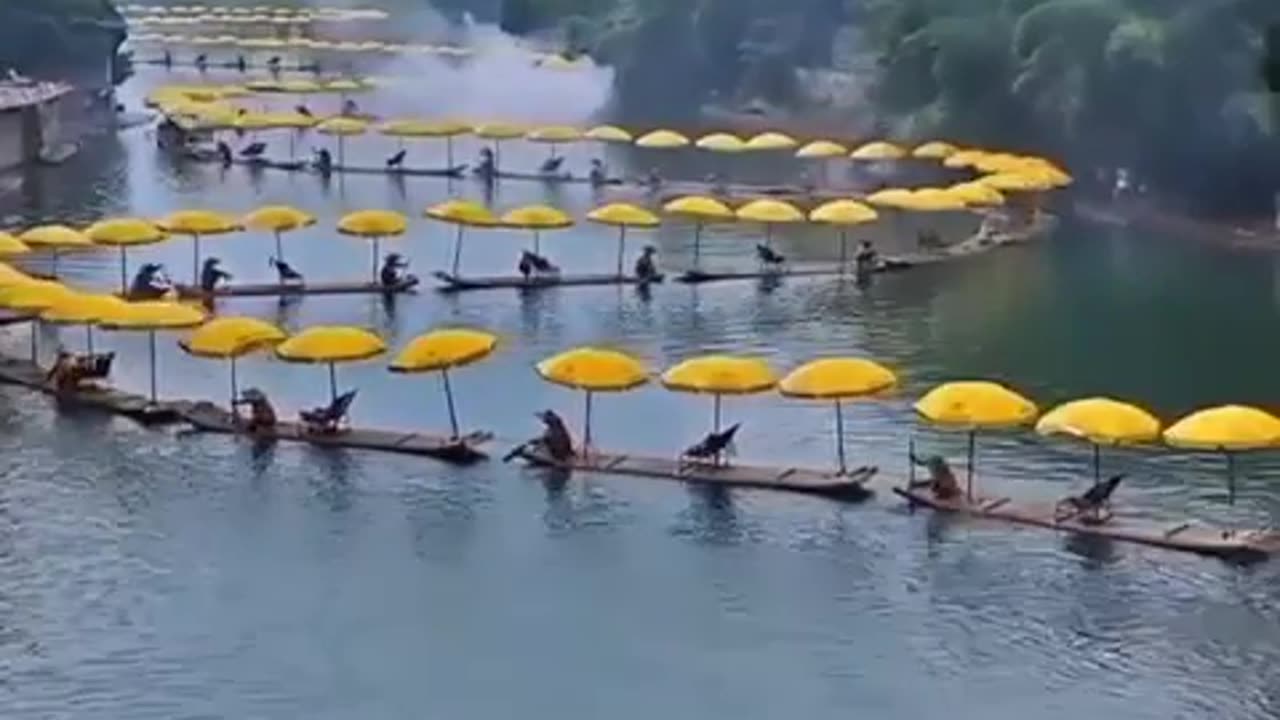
[[866, 260], [533, 264], [211, 274], [202, 62], [646, 267], [551, 165], [941, 482], [653, 179], [599, 175], [391, 274], [66, 373], [555, 441], [241, 64], [324, 161], [273, 65], [225, 155], [262, 415], [150, 283], [486, 168], [350, 109]]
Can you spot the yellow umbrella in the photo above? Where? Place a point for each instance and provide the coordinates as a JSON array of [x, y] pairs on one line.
[[720, 375], [278, 219], [721, 143], [771, 141], [1101, 421], [82, 309], [342, 127], [935, 200], [877, 151], [374, 225], [55, 238], [975, 193], [197, 223], [838, 379], [497, 133], [536, 218], [11, 245], [10, 276], [593, 370], [936, 150], [964, 158], [843, 213], [33, 298], [1227, 429], [623, 216], [152, 317], [770, 213], [1017, 182], [973, 406], [897, 198], [822, 149], [462, 214], [609, 134], [662, 139], [441, 351], [229, 338], [409, 128], [554, 135], [125, 233], [331, 344], [701, 210]]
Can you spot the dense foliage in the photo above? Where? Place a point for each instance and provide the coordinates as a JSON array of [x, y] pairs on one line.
[[55, 36]]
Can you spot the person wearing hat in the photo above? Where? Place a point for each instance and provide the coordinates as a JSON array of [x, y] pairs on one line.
[[262, 415], [391, 274], [149, 283], [941, 482], [555, 441], [646, 267], [211, 274]]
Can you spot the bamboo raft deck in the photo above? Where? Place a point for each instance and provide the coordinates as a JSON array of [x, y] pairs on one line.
[[454, 283], [1183, 537], [849, 488], [27, 374], [206, 417], [303, 288], [695, 277]]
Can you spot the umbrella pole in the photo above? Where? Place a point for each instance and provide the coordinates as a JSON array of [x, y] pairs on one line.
[[497, 154], [844, 251], [768, 235], [622, 245], [35, 341], [457, 252], [235, 390], [537, 242], [448, 398], [586, 428], [1231, 479], [972, 435], [375, 258], [342, 151], [1097, 463], [54, 270], [195, 262], [840, 437], [88, 340], [448, 152], [124, 272], [715, 423], [279, 247], [697, 244], [151, 341], [333, 382]]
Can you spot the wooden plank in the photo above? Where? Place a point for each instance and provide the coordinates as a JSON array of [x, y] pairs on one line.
[[851, 487], [454, 283], [27, 374], [1244, 544], [306, 288], [207, 417]]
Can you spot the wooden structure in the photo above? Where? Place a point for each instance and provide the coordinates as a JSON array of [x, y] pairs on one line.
[[850, 488], [206, 417], [453, 283], [303, 288], [91, 395], [1181, 536]]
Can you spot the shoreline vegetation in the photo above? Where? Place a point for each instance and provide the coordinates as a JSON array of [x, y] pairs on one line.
[[62, 39], [1179, 94]]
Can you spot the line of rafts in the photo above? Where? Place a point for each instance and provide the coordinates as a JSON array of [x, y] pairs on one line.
[[972, 407], [389, 276]]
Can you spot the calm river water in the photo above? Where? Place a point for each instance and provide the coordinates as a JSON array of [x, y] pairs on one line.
[[145, 575]]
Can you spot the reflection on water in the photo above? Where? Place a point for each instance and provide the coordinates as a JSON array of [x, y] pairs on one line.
[[149, 575]]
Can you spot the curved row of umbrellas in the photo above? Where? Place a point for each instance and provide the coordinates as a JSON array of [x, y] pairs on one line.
[[233, 13], [201, 42], [376, 225]]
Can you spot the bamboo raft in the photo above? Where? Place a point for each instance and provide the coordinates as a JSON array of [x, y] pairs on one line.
[[851, 487], [206, 417], [227, 65], [889, 265], [454, 283], [304, 288], [1183, 537], [27, 374]]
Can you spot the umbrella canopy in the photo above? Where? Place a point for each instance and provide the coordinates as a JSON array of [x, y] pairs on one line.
[[975, 405], [623, 216], [822, 149], [593, 370], [463, 214], [536, 218], [125, 232], [55, 237], [278, 219], [342, 128], [411, 128], [198, 223], [976, 194], [441, 351], [331, 344], [935, 200], [1100, 421], [11, 245], [11, 276], [499, 131], [82, 309], [843, 213], [608, 133], [898, 198], [964, 158], [152, 317], [936, 150], [33, 296], [721, 142], [771, 141], [700, 209], [1018, 182], [554, 134], [229, 338], [877, 151], [373, 225], [1227, 429], [838, 379], [662, 139], [720, 375]]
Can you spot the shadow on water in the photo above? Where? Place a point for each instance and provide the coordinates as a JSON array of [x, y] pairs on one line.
[[331, 481], [1095, 552], [712, 517]]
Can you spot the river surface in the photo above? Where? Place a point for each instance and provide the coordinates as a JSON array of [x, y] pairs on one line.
[[146, 575]]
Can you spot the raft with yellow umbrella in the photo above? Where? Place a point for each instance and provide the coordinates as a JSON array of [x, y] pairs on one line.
[[601, 370], [1100, 421], [332, 345]]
